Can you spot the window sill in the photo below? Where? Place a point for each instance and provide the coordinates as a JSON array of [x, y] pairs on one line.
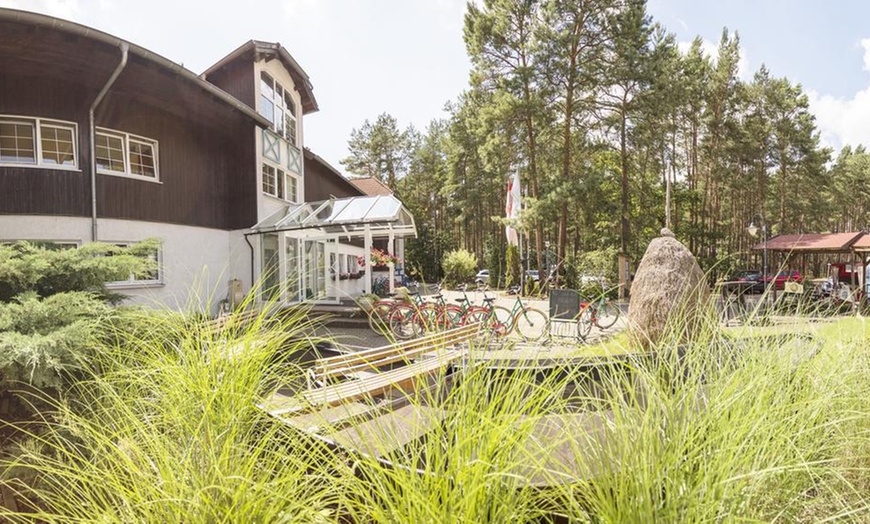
[[134, 285], [131, 177], [52, 167], [276, 199]]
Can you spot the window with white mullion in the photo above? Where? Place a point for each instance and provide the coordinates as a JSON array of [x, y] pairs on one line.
[[58, 144], [124, 154], [18, 142], [111, 152], [270, 185], [291, 187], [277, 105], [280, 183], [142, 158], [38, 142]]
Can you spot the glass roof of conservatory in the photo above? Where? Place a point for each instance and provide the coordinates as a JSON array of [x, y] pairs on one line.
[[343, 216]]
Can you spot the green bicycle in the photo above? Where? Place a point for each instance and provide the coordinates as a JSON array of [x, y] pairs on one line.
[[531, 324], [600, 312]]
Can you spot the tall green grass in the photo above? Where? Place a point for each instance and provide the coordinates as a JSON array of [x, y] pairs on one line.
[[725, 428], [166, 429]]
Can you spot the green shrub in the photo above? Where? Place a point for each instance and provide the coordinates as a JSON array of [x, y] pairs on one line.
[[169, 431], [52, 302], [459, 266], [27, 266]]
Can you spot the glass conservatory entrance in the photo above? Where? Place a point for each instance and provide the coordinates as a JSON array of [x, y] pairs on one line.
[[321, 241]]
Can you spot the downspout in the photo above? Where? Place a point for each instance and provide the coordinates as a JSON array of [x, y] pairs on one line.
[[252, 257], [93, 139]]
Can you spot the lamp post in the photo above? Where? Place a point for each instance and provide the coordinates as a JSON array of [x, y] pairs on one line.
[[547, 262], [753, 231]]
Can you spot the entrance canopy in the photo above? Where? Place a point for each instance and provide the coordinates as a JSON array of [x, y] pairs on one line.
[[382, 215]]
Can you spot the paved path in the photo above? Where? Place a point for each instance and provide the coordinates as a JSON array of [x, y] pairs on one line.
[[562, 342]]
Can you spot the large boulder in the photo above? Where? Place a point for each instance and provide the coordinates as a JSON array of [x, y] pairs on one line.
[[669, 292]]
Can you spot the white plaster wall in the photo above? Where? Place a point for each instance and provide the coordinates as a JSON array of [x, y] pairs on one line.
[[240, 257], [197, 263], [351, 287], [59, 229]]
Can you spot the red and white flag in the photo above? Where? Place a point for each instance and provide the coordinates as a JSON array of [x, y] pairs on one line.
[[512, 208]]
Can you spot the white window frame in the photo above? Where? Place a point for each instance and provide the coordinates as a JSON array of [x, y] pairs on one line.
[[280, 110], [37, 123], [132, 281], [127, 138], [282, 175]]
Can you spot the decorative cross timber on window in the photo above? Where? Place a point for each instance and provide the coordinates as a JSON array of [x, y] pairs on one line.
[[271, 146], [294, 160]]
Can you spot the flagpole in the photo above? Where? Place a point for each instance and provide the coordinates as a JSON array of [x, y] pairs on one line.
[[522, 266]]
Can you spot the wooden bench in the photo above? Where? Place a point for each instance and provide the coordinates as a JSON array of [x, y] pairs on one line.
[[346, 378], [224, 323], [354, 365]]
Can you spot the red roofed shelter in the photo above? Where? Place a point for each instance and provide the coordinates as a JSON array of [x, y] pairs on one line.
[[853, 244]]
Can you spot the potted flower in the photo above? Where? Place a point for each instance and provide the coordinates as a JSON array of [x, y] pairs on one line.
[[380, 258]]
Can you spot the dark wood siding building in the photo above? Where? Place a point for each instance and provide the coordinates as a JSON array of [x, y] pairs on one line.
[[205, 144], [322, 181]]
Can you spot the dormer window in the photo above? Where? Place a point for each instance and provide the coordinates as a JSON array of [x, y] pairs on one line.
[[276, 104]]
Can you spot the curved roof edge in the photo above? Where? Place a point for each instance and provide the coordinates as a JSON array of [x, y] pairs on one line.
[[300, 77], [27, 17]]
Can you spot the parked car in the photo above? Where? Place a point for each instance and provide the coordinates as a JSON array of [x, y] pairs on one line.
[[753, 279], [782, 277], [482, 277], [533, 274]]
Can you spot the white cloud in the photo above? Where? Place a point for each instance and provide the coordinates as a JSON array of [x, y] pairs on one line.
[[712, 50], [300, 8], [844, 120], [11, 4], [865, 43], [66, 9]]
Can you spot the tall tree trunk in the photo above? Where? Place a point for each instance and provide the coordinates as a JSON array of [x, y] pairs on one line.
[[566, 152], [623, 150]]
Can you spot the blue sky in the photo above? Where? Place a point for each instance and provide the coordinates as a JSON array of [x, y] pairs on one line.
[[824, 46], [406, 57]]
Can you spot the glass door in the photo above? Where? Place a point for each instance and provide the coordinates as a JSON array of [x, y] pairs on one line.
[[292, 275], [315, 270], [333, 271], [270, 267]]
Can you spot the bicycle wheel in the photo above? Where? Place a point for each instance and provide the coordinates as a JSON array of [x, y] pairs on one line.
[[404, 322], [451, 316], [379, 316], [430, 317], [493, 320], [532, 325], [606, 315], [584, 323]]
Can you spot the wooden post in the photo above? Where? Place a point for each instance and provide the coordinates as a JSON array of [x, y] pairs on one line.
[[391, 245], [368, 256], [624, 271]]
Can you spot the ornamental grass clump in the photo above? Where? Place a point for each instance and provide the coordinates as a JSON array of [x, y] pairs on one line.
[[757, 428], [472, 466], [760, 424], [167, 429]]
